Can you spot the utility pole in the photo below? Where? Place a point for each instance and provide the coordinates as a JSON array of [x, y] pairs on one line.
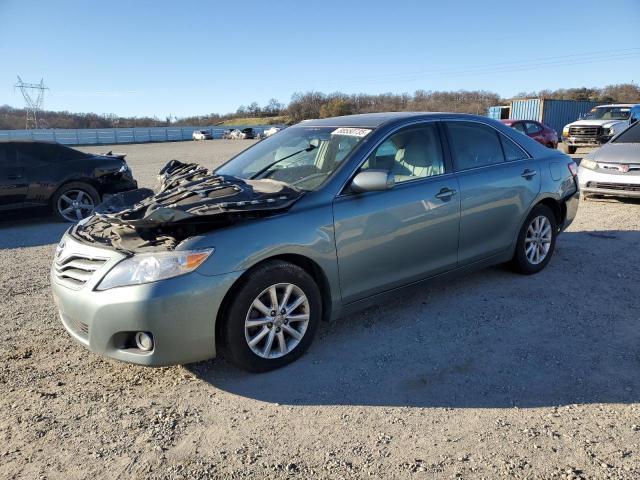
[[33, 102]]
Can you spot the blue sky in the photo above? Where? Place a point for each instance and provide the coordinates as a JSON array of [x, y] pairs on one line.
[[184, 58]]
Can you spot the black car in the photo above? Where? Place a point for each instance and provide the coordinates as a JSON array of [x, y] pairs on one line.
[[249, 133], [70, 182]]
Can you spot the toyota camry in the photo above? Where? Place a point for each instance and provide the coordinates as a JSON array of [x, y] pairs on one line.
[[312, 223]]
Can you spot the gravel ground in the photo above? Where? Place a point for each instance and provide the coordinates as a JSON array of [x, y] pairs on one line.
[[492, 375]]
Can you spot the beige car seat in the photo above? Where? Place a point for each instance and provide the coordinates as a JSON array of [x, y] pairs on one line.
[[421, 157]]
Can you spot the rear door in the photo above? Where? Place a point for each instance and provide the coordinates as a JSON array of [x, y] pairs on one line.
[[498, 183], [13, 178], [394, 237]]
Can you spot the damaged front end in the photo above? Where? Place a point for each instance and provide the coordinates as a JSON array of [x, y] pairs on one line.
[[190, 201]]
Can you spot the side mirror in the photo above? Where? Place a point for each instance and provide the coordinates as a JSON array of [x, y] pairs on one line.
[[372, 180]]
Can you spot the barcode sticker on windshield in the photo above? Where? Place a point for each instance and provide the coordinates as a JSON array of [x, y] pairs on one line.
[[352, 132]]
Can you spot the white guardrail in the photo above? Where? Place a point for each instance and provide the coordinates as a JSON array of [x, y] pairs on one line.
[[99, 136]]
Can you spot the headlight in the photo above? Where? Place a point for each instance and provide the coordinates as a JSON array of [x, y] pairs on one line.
[[151, 267], [565, 132], [588, 163]]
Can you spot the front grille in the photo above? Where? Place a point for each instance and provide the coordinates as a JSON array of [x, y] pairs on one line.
[[632, 169], [623, 187], [585, 131], [76, 270]]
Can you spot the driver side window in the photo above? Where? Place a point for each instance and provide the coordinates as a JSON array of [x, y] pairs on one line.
[[409, 154]]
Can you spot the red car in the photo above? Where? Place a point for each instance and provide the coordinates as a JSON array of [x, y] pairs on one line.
[[536, 130]]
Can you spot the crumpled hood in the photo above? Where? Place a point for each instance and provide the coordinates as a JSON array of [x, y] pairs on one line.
[[191, 200], [618, 153]]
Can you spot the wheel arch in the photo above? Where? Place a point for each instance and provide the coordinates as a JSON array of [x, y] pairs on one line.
[[87, 180], [558, 208], [307, 264]]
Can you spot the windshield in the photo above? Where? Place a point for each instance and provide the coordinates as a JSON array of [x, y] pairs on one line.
[[608, 113], [630, 135], [303, 157]]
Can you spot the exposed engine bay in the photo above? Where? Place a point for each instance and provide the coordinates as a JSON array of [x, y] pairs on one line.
[[190, 201]]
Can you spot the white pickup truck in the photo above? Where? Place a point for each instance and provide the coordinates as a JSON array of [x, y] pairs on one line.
[[597, 127]]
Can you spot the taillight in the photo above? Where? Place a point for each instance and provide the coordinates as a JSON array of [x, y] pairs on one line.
[[573, 168]]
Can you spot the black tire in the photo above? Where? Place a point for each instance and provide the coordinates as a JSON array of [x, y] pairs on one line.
[[235, 344], [569, 149], [83, 187], [521, 262]]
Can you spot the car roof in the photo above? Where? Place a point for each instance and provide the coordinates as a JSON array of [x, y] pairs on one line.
[[510, 121], [374, 120], [28, 140]]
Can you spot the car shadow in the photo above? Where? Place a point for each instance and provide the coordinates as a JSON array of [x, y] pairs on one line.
[[490, 339], [18, 230]]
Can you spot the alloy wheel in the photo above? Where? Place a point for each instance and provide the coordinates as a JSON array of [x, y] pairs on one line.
[[537, 241], [277, 320], [74, 205]]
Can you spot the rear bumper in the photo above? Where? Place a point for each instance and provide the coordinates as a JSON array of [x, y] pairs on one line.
[[571, 204], [613, 184], [123, 184]]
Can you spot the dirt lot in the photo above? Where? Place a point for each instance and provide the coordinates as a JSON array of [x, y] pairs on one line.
[[491, 375]]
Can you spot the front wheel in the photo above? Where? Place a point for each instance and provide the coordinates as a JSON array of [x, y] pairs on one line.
[[75, 201], [272, 318], [536, 241]]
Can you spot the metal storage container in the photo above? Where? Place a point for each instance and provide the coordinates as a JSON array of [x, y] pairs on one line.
[[553, 113], [498, 112]]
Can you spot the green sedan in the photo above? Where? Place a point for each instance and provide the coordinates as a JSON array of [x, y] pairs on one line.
[[319, 220]]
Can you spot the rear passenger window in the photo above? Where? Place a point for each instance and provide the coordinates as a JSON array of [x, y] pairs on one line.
[[512, 151], [533, 128], [474, 145], [519, 127]]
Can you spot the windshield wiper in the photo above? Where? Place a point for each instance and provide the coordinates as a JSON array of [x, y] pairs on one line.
[[308, 148]]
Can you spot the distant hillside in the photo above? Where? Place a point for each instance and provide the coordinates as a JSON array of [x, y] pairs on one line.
[[256, 121], [304, 105]]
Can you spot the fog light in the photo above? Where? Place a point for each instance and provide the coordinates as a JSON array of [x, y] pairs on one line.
[[144, 341]]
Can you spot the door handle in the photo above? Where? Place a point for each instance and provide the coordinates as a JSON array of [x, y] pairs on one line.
[[445, 193], [14, 176], [528, 174]]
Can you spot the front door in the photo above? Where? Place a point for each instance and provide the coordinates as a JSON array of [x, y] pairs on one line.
[[394, 237]]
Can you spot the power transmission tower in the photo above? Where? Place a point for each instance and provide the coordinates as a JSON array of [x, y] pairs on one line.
[[33, 103]]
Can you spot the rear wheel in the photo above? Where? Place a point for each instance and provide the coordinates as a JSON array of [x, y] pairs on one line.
[[75, 201], [536, 241], [272, 317]]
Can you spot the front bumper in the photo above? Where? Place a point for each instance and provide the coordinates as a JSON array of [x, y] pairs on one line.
[[607, 183], [180, 313], [586, 141]]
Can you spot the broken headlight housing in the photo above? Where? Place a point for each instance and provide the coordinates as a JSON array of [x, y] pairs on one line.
[[151, 267]]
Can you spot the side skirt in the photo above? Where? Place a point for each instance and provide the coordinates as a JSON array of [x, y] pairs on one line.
[[358, 305]]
